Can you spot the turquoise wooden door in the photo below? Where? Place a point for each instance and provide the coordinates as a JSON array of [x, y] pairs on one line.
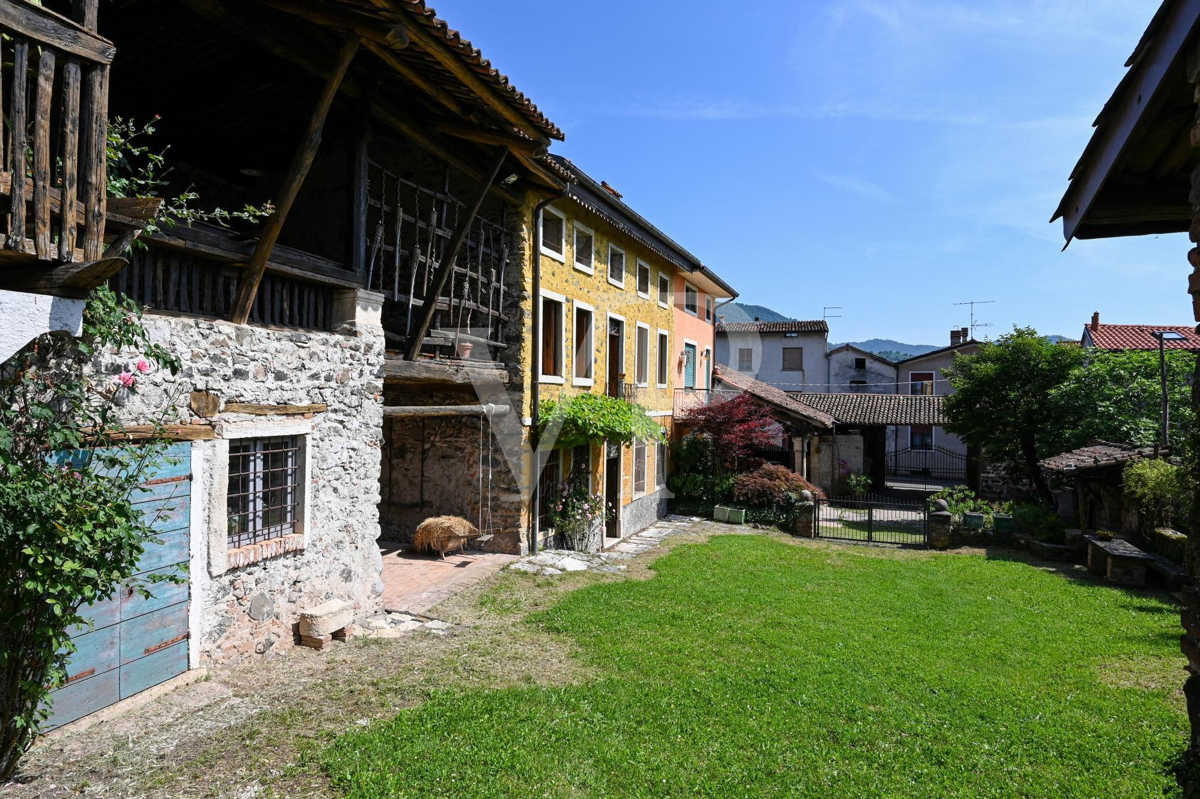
[[689, 366], [137, 642]]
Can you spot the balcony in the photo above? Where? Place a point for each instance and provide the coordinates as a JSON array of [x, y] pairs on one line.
[[689, 399]]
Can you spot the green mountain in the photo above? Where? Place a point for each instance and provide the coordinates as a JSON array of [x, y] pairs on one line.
[[891, 349], [745, 312]]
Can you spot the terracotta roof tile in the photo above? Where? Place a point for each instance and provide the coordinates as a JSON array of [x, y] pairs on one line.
[[1140, 337], [878, 409], [794, 326], [1096, 455], [772, 396]]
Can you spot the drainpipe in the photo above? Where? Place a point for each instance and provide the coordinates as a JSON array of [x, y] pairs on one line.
[[536, 367]]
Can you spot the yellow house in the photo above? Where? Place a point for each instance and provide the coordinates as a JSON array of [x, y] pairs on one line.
[[605, 323]]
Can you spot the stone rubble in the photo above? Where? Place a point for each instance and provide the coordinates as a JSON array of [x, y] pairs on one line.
[[551, 562], [395, 625]]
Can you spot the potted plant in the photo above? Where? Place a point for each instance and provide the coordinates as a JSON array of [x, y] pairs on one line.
[[973, 520], [1003, 523]]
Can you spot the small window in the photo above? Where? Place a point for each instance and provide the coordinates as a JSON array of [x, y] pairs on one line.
[[548, 485], [708, 308], [643, 280], [264, 489], [584, 342], [660, 464], [584, 249], [920, 436], [858, 386], [664, 358], [641, 365], [616, 265], [745, 359], [793, 359], [921, 382], [860, 363], [664, 290], [553, 228], [552, 338], [691, 299], [639, 467]]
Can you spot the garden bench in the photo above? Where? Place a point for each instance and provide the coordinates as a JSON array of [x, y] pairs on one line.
[[1117, 561]]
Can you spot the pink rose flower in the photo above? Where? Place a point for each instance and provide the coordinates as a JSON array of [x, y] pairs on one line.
[[143, 365], [126, 379]]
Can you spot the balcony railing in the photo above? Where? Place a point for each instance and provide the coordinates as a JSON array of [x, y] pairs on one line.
[[689, 399], [55, 184]]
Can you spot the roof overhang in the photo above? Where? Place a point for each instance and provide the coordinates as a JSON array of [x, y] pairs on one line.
[[1134, 175]]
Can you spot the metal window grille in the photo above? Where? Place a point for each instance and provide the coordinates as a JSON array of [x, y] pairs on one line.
[[549, 491], [264, 489], [660, 464], [639, 466]]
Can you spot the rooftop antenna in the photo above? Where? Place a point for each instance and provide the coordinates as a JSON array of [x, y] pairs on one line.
[[973, 303], [825, 312]]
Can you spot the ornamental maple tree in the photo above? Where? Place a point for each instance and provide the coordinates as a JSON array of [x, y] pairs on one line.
[[736, 429]]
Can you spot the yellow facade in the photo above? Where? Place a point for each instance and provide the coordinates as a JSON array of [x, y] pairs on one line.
[[572, 285]]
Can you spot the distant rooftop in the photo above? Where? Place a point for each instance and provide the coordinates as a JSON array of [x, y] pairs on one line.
[[795, 326], [1136, 337], [877, 409]]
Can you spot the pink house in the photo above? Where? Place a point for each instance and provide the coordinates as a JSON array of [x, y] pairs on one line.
[[696, 296]]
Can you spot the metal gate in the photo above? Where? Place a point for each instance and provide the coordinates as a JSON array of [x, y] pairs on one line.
[[936, 467], [136, 642], [873, 519]]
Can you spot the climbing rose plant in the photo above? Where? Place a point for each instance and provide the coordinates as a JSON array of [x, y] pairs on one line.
[[70, 532], [577, 512]]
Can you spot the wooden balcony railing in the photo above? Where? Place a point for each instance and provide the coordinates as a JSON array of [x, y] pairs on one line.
[[53, 168]]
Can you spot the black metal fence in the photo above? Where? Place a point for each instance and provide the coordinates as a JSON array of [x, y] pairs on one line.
[[934, 466], [873, 518]]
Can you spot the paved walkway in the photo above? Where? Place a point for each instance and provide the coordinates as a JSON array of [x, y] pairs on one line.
[[414, 583], [556, 561]]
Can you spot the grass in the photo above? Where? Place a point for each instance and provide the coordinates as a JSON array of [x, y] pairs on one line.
[[748, 666]]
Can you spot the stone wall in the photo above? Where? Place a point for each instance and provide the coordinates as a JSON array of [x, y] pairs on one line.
[[240, 610], [643, 512]]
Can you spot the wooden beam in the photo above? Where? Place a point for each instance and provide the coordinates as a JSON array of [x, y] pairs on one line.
[[46, 27], [261, 409], [359, 175], [445, 410], [70, 159], [41, 156], [399, 371], [415, 78], [449, 256], [514, 143], [74, 279], [391, 34], [170, 432], [307, 150], [455, 65]]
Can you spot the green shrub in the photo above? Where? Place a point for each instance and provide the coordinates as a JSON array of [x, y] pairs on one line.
[[961, 499], [770, 485], [858, 483], [1161, 492], [1038, 522]]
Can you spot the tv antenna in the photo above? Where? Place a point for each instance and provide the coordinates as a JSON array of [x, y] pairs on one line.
[[825, 312], [973, 303]]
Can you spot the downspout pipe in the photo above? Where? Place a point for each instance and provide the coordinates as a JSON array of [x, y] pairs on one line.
[[536, 369]]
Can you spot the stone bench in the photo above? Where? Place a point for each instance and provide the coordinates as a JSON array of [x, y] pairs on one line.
[[1117, 561], [325, 622], [1173, 575]]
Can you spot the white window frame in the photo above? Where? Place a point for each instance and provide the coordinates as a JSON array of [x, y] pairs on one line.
[[557, 380], [686, 288], [576, 307], [708, 308], [576, 227], [643, 383], [933, 381], [649, 279], [218, 495], [561, 257], [664, 357], [664, 303], [608, 266], [608, 317]]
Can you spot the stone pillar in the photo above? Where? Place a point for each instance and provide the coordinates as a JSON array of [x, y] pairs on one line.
[[941, 522], [806, 516], [357, 311]]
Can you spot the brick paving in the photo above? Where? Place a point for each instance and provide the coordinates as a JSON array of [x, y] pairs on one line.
[[414, 583]]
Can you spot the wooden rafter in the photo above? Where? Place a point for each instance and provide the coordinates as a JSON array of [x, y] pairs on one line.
[[301, 163], [389, 34]]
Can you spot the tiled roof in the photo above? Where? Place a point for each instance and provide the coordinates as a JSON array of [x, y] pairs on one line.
[[878, 409], [860, 351], [940, 351], [478, 64], [795, 326], [1096, 455], [1140, 337], [772, 396]]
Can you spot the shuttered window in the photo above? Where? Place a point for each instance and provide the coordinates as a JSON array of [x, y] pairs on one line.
[[793, 359]]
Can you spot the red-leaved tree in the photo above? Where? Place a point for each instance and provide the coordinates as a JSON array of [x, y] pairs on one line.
[[736, 429]]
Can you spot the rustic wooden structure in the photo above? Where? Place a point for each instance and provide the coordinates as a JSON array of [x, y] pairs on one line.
[[1140, 174]]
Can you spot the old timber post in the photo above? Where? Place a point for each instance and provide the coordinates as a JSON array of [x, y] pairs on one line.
[[1190, 642], [305, 152]]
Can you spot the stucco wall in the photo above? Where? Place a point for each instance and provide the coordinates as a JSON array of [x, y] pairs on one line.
[[880, 377], [24, 317], [768, 358], [934, 362], [254, 608], [693, 328]]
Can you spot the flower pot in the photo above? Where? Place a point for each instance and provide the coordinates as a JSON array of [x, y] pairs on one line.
[[1003, 523], [973, 521], [465, 348]]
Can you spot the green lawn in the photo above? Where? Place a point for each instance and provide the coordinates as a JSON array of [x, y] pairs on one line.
[[751, 667]]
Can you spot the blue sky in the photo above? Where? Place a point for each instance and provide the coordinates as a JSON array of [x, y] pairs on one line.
[[889, 156]]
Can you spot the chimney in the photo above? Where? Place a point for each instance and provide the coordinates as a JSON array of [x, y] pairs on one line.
[[1095, 320], [965, 335], [756, 319], [955, 337]]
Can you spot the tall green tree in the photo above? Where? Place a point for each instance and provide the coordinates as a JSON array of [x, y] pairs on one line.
[[1117, 396], [1004, 401]]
